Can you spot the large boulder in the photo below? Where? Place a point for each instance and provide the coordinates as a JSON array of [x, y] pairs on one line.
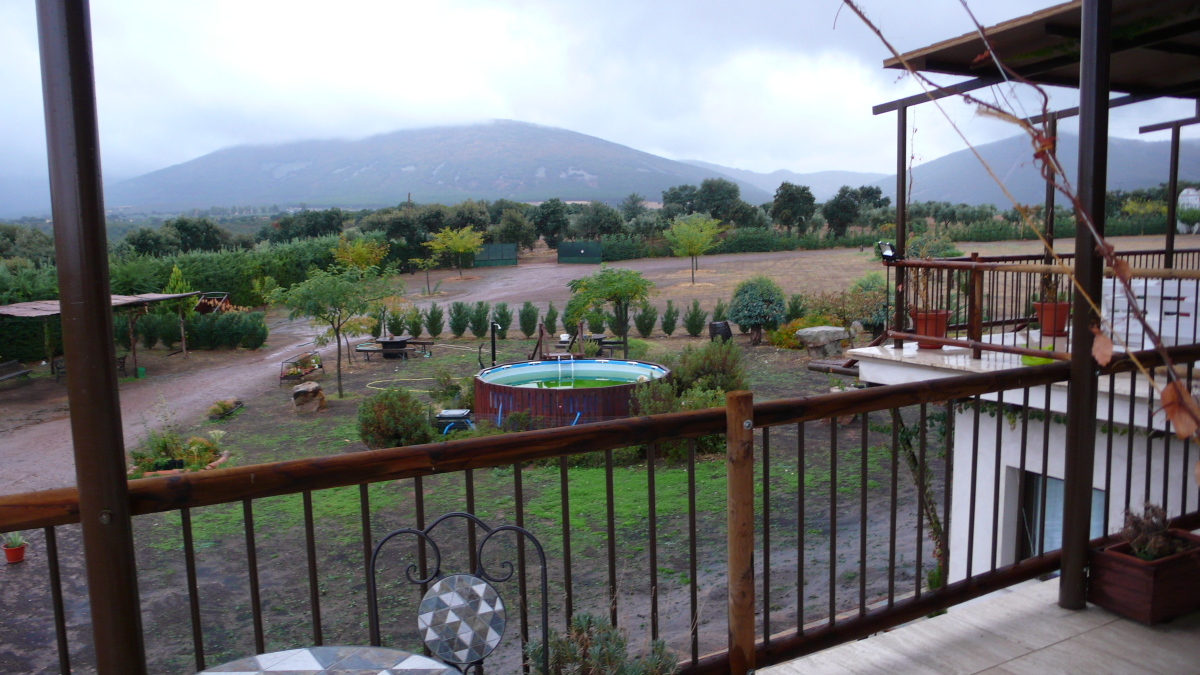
[[822, 342], [308, 397]]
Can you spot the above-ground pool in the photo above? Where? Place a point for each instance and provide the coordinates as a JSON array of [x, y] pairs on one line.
[[556, 393]]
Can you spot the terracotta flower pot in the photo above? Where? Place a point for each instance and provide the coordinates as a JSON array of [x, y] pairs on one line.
[[931, 323], [1148, 591], [1053, 317], [15, 554]]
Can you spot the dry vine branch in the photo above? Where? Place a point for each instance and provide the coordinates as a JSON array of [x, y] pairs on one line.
[[1179, 406]]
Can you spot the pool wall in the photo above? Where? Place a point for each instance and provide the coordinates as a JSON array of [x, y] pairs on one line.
[[495, 400]]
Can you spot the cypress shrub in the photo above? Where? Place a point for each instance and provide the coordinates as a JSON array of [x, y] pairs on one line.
[[527, 319], [551, 319], [693, 320], [502, 316], [434, 320], [670, 318], [479, 319], [460, 318], [413, 322], [645, 319]]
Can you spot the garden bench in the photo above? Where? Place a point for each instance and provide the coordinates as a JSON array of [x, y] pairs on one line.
[[423, 344], [367, 349], [401, 352], [12, 369], [59, 367]]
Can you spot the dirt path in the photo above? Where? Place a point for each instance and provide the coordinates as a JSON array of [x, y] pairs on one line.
[[35, 430]]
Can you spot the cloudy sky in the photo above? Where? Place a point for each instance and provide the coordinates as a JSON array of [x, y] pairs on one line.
[[760, 85]]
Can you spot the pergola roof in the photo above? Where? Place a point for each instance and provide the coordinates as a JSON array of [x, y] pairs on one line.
[[1155, 48], [41, 308]]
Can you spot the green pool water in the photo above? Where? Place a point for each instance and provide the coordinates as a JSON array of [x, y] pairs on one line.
[[577, 383]]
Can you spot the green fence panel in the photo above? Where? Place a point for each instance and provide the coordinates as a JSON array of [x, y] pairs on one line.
[[579, 252], [496, 255]]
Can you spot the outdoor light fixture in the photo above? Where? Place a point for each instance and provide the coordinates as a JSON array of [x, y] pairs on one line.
[[887, 252]]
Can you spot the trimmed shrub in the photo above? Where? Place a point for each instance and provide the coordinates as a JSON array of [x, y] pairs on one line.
[[393, 418], [716, 365], [797, 307], [395, 323], [434, 320], [670, 318], [721, 311], [479, 319], [414, 322], [621, 247], [757, 304], [551, 319], [502, 316], [527, 319], [460, 318], [645, 319], [693, 320]]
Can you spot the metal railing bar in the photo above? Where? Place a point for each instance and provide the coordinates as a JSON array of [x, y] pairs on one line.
[[996, 468], [974, 474], [612, 537], [364, 512], [922, 420], [314, 588], [833, 468], [893, 502], [564, 496], [693, 614], [1046, 420], [252, 571], [189, 560], [801, 526], [60, 615], [863, 506], [652, 503], [522, 587], [469, 488], [766, 528]]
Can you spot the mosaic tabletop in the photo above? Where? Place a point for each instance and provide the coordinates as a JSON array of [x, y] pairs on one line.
[[461, 618], [334, 661]]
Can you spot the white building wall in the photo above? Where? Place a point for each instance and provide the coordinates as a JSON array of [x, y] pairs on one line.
[[982, 465]]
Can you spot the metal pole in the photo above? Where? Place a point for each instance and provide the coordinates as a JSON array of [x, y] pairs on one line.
[[1172, 198], [1048, 232], [72, 139], [901, 216], [1089, 271], [494, 327]]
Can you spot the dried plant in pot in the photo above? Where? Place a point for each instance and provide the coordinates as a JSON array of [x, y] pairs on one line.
[[1153, 575], [926, 308], [1053, 309]]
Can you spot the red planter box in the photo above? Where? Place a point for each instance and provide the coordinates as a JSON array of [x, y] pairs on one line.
[[1149, 592]]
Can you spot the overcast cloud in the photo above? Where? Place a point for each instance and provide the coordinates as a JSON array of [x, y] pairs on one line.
[[754, 85]]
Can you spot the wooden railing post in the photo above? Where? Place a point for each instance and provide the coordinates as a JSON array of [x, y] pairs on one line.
[[739, 470], [975, 307]]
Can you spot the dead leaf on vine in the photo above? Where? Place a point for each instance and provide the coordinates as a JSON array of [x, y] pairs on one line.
[[1102, 347], [1181, 409], [1122, 269]]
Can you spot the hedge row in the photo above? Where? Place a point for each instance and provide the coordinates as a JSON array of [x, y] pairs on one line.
[[748, 240]]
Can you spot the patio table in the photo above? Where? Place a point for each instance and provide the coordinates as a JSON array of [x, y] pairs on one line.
[[335, 661], [393, 346]]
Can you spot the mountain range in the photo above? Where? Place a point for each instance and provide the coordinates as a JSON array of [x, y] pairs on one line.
[[528, 162]]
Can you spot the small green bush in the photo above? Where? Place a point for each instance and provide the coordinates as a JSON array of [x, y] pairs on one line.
[[393, 418], [797, 307], [446, 389], [645, 319], [434, 320], [670, 319], [595, 320], [715, 365], [460, 318], [721, 311], [395, 323], [693, 320], [479, 319], [592, 645], [527, 319], [638, 349], [551, 319], [502, 316], [757, 304]]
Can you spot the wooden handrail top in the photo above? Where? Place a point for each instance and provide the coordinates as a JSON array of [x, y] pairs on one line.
[[206, 488], [1136, 272]]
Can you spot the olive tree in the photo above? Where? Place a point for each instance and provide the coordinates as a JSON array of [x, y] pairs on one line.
[[757, 302]]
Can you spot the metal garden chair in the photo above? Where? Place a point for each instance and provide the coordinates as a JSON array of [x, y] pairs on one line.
[[461, 618]]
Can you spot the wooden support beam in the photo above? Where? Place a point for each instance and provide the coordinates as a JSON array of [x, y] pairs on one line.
[[739, 469]]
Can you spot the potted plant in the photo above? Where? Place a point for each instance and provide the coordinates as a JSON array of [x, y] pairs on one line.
[[928, 318], [1053, 312], [1153, 575], [14, 547]]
